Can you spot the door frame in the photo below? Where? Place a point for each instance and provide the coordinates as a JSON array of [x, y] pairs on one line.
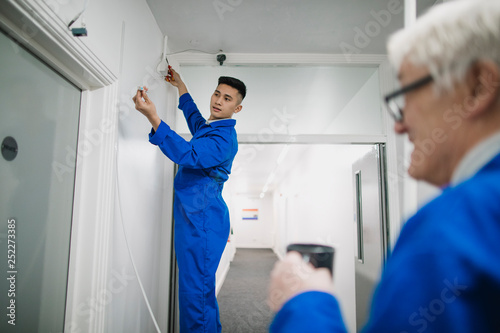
[[34, 25]]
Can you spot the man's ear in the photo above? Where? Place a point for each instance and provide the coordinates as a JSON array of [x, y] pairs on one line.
[[238, 108], [485, 84]]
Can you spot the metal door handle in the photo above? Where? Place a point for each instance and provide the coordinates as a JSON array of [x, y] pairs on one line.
[[359, 216]]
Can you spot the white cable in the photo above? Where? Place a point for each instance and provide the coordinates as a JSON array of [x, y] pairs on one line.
[[85, 4], [128, 247]]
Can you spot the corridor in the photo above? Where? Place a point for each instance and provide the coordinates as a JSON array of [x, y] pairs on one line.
[[242, 298]]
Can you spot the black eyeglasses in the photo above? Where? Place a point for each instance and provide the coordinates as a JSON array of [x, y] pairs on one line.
[[395, 101]]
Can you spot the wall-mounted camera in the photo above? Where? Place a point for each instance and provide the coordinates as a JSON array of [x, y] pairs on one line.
[[221, 58]]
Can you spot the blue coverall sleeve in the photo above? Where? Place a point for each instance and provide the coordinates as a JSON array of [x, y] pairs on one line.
[[312, 311], [193, 116], [203, 153]]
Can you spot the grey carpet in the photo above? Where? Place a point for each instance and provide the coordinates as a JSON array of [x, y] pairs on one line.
[[242, 298]]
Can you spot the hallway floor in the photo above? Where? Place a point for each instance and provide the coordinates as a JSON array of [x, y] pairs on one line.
[[242, 298]]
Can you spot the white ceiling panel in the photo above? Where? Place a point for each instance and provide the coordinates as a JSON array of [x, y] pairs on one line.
[[280, 26]]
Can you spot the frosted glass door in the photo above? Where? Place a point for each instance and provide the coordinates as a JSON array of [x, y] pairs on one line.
[[39, 112]]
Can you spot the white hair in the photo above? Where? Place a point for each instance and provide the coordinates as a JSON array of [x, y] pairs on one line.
[[449, 38]]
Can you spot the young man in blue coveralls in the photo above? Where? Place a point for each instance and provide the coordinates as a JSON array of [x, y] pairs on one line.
[[201, 215], [444, 271]]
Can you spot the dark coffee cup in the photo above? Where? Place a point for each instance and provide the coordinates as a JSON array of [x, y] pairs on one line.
[[318, 255]]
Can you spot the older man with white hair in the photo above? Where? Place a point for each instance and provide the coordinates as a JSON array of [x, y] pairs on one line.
[[444, 272]]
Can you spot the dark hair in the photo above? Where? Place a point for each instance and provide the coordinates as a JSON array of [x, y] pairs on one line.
[[235, 83]]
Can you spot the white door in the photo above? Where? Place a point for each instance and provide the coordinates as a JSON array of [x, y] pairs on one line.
[[371, 227], [39, 113]]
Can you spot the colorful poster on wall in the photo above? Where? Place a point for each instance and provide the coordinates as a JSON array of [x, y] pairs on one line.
[[250, 214]]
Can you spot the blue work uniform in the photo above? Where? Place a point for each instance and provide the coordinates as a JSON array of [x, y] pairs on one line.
[[201, 215], [443, 274]]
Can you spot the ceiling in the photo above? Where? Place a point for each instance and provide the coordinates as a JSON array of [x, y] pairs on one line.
[[280, 26]]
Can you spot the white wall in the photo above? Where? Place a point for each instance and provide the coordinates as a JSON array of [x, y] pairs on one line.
[[146, 176], [362, 114], [278, 103]]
